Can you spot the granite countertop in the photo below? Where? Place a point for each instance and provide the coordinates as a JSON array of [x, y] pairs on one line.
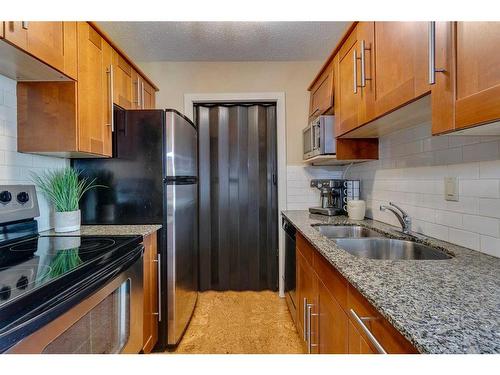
[[440, 306], [108, 230]]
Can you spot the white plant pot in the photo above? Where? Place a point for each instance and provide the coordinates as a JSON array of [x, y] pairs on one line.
[[67, 221]]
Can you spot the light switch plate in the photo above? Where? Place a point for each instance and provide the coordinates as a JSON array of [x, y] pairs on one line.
[[451, 189]]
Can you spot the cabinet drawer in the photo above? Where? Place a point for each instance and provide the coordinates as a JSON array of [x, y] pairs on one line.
[[387, 336]]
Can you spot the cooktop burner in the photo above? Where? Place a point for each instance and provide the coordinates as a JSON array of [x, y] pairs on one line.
[[34, 262]]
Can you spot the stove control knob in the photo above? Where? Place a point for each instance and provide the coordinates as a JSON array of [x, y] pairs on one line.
[[5, 196], [23, 197], [5, 293]]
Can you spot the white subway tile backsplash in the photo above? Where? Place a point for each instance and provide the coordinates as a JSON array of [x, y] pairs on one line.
[[411, 173], [480, 188], [300, 196], [481, 224], [489, 169], [489, 207], [15, 167], [481, 151], [490, 245], [464, 238]]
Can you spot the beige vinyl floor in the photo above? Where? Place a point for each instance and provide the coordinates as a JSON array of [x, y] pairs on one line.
[[240, 323]]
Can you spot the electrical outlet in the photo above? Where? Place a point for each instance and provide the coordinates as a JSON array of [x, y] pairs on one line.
[[451, 189]]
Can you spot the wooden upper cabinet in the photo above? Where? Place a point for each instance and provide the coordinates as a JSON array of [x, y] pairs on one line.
[[143, 94], [400, 56], [477, 73], [467, 93], [321, 99], [355, 78], [348, 97], [122, 81], [54, 43], [136, 80], [148, 96], [381, 66], [94, 103]]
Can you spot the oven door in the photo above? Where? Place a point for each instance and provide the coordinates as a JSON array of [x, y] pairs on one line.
[[109, 321], [308, 142]]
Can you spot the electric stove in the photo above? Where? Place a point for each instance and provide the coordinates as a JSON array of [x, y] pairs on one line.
[[41, 277]]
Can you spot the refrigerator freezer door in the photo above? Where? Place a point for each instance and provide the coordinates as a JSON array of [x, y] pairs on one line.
[[181, 145], [182, 260]]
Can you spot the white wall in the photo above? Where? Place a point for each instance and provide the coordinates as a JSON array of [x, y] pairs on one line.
[[15, 167], [291, 77], [411, 171]]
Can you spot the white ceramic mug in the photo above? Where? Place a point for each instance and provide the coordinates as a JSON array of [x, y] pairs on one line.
[[356, 209]]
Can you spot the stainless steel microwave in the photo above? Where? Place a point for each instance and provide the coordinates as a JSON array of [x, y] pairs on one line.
[[319, 137]]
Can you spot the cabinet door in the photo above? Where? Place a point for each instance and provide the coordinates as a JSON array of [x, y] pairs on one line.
[[305, 284], [400, 65], [321, 100], [136, 80], [107, 99], [148, 96], [357, 344], [348, 96], [150, 329], [122, 82], [16, 32], [54, 43], [477, 75], [332, 324], [46, 41], [92, 88]]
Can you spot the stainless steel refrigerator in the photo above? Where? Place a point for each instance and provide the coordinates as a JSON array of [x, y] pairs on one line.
[[152, 178]]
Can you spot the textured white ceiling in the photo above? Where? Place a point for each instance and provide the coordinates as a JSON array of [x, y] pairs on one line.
[[225, 41]]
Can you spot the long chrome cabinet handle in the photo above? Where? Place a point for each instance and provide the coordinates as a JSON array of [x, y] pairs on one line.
[[109, 71], [432, 54], [310, 314], [304, 311], [363, 63], [25, 25], [158, 265], [355, 71], [138, 101], [142, 95], [373, 340], [309, 308]]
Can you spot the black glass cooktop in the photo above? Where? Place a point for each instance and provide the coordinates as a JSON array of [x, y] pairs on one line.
[[25, 266]]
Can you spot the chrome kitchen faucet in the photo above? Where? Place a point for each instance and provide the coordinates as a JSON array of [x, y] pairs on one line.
[[402, 215]]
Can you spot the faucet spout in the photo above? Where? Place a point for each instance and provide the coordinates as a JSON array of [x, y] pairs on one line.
[[403, 218]]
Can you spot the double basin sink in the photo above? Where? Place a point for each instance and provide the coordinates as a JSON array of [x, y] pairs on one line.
[[366, 243]]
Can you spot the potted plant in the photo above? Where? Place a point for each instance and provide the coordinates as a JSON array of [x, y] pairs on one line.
[[64, 188]]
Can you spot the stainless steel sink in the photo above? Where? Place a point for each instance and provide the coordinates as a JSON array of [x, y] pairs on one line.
[[386, 248], [345, 231]]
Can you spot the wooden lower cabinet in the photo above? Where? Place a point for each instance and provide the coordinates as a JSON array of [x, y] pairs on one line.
[[306, 294], [331, 300], [332, 324], [150, 328], [357, 343]]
